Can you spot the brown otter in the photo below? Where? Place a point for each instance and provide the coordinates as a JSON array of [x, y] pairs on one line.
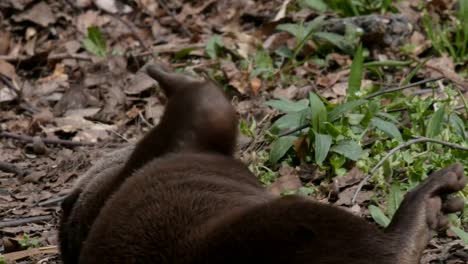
[[198, 118]]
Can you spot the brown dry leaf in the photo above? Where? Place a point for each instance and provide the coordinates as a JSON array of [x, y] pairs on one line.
[[444, 66], [113, 6], [139, 83], [76, 97], [237, 79], [7, 70], [282, 11], [255, 85], [189, 10], [345, 197], [40, 14], [5, 38], [288, 93], [355, 175], [420, 42], [91, 18], [287, 181], [279, 39], [86, 131], [30, 252], [6, 93]]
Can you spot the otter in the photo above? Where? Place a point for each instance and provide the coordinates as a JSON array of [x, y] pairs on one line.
[[198, 118], [191, 202]]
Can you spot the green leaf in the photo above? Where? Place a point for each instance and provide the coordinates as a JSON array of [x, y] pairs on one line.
[[461, 233], [335, 39], [322, 146], [458, 125], [348, 148], [387, 127], [95, 43], [214, 46], [183, 53], [343, 108], [288, 106], [394, 199], [318, 112], [355, 76], [280, 147], [290, 120], [379, 217], [293, 29], [434, 127], [318, 5]]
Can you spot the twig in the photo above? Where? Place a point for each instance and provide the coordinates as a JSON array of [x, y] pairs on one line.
[[132, 30], [76, 56], [10, 168], [140, 114], [47, 141], [170, 48], [26, 220], [52, 201], [13, 256], [392, 151], [169, 12], [390, 90], [50, 57]]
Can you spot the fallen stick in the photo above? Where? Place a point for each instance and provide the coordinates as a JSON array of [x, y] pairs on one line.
[[26, 220], [13, 256]]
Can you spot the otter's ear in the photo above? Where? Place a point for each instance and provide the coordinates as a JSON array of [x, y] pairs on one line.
[[170, 81]]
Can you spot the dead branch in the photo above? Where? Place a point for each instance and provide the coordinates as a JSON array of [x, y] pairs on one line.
[[13, 256], [169, 12], [10, 168], [26, 220], [52, 201], [47, 141], [131, 28]]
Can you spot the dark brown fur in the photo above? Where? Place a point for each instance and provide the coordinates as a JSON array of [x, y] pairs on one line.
[[198, 118], [200, 205]]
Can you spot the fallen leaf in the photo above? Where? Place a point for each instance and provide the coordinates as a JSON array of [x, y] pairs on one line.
[[255, 85], [40, 14], [5, 38], [288, 181]]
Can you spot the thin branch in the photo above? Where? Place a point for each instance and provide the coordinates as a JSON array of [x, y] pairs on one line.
[[50, 57], [131, 28], [392, 151], [10, 168], [169, 12], [26, 220], [52, 201], [47, 141], [390, 90]]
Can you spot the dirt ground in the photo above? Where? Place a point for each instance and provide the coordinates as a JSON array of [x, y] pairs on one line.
[[61, 107]]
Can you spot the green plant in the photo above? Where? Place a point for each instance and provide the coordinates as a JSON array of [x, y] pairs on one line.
[[2, 259], [351, 7], [305, 31], [428, 136], [28, 242], [450, 37], [95, 42]]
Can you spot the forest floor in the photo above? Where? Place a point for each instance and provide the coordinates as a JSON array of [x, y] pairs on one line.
[[70, 92]]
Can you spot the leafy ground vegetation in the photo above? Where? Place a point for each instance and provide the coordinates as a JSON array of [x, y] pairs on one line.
[[351, 102]]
